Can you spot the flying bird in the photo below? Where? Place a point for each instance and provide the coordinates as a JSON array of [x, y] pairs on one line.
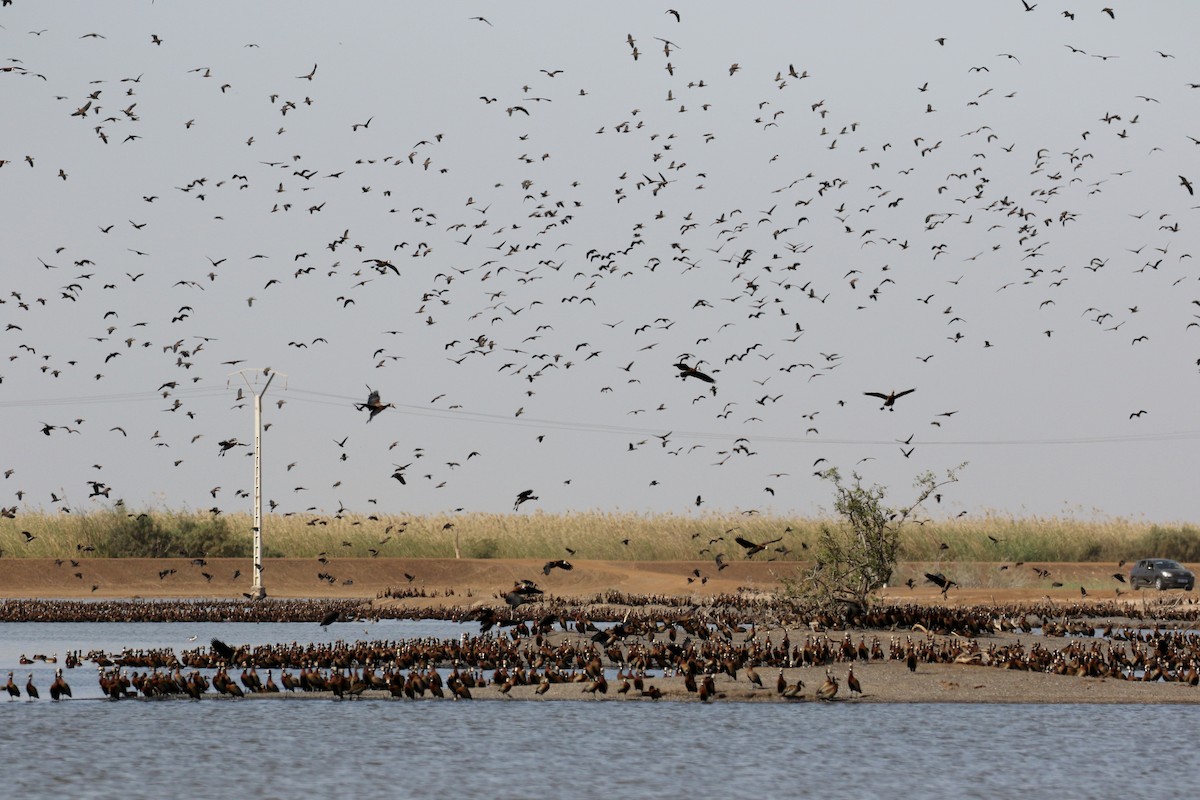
[[686, 372], [524, 497], [373, 405], [753, 547], [940, 580], [889, 399], [223, 650]]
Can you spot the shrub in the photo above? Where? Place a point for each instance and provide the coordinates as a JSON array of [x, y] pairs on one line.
[[483, 548], [117, 534]]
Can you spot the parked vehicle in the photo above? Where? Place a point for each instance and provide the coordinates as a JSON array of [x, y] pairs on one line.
[[1161, 573]]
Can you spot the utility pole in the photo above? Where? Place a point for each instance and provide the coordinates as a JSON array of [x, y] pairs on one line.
[[257, 590]]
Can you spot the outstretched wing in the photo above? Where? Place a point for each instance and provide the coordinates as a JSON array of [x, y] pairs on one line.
[[936, 578], [898, 395], [880, 395], [746, 543], [223, 650]]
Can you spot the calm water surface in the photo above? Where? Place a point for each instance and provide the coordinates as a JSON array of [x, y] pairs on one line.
[[571, 749]]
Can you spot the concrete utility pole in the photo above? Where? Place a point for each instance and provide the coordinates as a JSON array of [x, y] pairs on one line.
[[257, 590]]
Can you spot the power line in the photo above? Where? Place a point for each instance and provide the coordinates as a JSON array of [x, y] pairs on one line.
[[339, 400]]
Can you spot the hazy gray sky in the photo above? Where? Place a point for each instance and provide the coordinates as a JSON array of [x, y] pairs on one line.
[[514, 227]]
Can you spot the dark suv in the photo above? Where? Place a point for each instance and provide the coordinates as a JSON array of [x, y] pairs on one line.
[[1161, 573]]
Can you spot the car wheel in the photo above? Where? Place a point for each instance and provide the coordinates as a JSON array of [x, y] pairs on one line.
[[1158, 584], [1189, 587]]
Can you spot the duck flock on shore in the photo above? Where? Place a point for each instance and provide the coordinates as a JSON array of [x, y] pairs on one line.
[[690, 650], [661, 258], [700, 655]]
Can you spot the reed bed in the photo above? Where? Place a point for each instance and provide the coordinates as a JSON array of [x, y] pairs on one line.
[[584, 535]]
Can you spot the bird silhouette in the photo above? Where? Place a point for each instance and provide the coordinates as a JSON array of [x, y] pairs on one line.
[[524, 496], [374, 406], [889, 399], [752, 547], [691, 372]]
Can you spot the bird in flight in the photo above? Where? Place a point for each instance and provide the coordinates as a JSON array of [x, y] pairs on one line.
[[523, 497], [374, 405], [889, 399], [560, 564], [941, 581], [686, 372], [754, 547]]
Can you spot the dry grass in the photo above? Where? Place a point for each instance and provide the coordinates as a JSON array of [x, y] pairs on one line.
[[620, 536]]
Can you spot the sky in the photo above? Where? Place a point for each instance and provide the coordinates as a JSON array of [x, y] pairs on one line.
[[513, 221]]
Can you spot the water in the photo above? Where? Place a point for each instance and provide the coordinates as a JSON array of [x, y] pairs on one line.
[[500, 749]]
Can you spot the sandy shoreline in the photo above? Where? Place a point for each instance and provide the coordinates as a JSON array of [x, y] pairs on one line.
[[455, 580], [475, 583]]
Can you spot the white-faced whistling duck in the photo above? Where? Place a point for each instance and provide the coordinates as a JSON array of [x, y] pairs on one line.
[[852, 682], [889, 399], [828, 689], [59, 688]]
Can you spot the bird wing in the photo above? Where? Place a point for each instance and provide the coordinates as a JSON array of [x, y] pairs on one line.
[[880, 395], [906, 391], [223, 650], [746, 543], [936, 578]]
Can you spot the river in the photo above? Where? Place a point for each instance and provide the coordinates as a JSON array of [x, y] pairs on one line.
[[90, 748]]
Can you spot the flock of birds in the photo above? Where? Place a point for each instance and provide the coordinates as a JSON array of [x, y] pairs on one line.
[[660, 269], [689, 651], [59, 688]]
